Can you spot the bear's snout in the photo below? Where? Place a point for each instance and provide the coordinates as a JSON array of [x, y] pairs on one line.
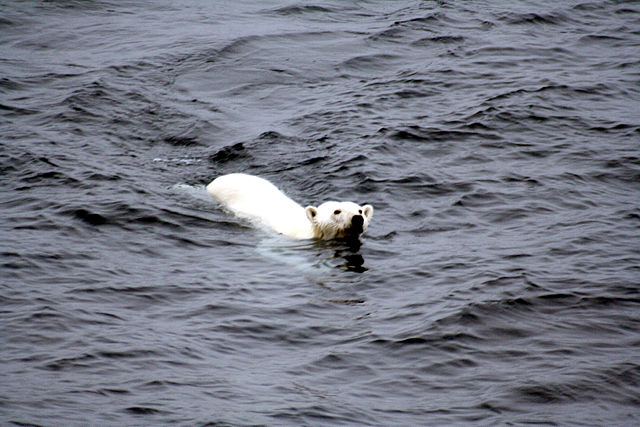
[[356, 223]]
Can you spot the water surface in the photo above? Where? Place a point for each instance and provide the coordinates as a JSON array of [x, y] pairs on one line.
[[498, 281]]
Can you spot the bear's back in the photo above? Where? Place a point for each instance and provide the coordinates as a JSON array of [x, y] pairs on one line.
[[260, 201]]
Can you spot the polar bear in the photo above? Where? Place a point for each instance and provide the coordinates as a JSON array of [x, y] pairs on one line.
[[258, 200]]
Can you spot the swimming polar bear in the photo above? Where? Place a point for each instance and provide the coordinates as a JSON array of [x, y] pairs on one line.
[[259, 200]]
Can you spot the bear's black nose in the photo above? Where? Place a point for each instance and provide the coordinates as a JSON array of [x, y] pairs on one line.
[[356, 223]]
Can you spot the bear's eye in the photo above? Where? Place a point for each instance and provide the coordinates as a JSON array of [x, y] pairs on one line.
[[360, 211], [337, 212]]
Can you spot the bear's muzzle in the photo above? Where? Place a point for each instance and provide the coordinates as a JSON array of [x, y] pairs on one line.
[[356, 224]]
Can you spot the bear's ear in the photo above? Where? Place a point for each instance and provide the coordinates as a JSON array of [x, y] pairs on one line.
[[368, 211], [311, 212]]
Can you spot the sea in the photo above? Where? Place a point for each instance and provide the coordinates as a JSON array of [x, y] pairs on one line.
[[498, 282]]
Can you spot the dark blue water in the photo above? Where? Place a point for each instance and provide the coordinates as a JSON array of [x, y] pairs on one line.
[[498, 282]]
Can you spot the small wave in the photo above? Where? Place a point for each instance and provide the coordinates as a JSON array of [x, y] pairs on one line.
[[368, 62], [584, 386], [446, 40], [7, 85], [181, 141], [557, 18], [72, 363], [418, 133], [423, 21], [119, 214], [6, 22], [89, 217], [602, 39], [301, 9], [145, 410], [230, 153]]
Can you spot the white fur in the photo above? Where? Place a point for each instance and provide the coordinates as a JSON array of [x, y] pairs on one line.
[[259, 200]]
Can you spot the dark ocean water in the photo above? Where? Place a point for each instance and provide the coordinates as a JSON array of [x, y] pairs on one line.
[[499, 280]]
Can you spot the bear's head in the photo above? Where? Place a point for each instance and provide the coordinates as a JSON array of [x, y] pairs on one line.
[[339, 220]]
